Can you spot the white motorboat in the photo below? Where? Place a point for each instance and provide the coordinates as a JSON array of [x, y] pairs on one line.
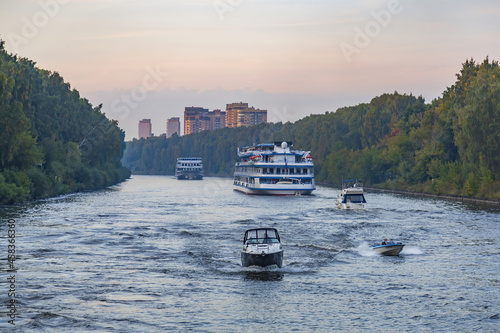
[[388, 248], [351, 196], [262, 247], [274, 169]]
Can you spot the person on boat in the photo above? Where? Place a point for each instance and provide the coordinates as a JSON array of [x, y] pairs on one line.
[[264, 238], [384, 242]]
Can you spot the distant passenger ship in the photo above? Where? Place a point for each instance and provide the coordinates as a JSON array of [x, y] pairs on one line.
[[274, 169], [189, 168]]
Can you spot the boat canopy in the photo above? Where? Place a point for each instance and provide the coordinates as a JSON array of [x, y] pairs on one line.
[[189, 159], [261, 235], [352, 183]]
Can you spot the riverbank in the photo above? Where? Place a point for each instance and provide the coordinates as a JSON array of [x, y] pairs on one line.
[[437, 196], [490, 202]]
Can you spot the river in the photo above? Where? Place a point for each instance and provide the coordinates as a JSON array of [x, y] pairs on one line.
[[157, 254]]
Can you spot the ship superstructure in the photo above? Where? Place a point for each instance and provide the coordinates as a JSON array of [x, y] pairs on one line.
[[274, 169], [189, 168]]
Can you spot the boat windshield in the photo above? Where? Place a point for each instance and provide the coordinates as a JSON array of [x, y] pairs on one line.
[[354, 198], [258, 236]]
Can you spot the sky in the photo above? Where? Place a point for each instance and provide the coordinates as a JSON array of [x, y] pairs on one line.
[[152, 58]]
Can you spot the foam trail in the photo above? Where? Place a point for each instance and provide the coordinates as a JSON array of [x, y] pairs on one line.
[[411, 250], [366, 250]]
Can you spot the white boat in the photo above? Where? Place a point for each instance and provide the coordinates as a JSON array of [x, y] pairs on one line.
[[262, 247], [189, 168], [351, 196], [388, 248], [274, 169]]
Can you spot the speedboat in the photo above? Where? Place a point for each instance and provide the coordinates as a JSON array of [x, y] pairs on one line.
[[351, 196], [389, 248], [262, 247]]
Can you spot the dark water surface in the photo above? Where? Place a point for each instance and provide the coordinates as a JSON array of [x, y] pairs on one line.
[[157, 254]]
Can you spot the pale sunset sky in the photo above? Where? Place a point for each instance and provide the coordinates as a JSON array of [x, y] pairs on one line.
[[152, 58]]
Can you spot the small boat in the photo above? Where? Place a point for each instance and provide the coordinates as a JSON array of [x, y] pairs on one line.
[[262, 247], [389, 248], [351, 196]]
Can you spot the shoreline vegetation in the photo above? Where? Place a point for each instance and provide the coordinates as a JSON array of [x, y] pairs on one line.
[[52, 141], [449, 147]]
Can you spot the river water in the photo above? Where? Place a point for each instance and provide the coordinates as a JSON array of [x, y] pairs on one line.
[[158, 254]]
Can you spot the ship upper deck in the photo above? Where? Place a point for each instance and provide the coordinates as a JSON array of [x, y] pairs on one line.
[[278, 148]]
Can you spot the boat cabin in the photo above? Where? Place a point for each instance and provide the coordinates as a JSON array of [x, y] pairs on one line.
[[353, 198], [261, 235]]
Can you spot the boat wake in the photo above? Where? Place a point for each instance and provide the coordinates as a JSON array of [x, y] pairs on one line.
[[365, 250], [411, 250]]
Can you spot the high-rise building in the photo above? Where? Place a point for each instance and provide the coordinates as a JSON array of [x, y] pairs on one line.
[[173, 126], [217, 119], [144, 128], [239, 114], [197, 119]]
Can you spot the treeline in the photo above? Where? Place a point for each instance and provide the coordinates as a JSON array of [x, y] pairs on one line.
[[450, 146], [52, 141]]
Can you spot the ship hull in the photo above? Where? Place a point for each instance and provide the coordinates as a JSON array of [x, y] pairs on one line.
[[273, 191], [189, 176]]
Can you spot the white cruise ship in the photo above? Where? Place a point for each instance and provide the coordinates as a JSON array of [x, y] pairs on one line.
[[274, 169], [189, 168]]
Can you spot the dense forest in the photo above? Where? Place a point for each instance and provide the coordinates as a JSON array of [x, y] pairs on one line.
[[52, 141], [450, 146]]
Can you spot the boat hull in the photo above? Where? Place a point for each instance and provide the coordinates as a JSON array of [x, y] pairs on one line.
[[273, 191], [389, 250], [262, 260], [350, 205]]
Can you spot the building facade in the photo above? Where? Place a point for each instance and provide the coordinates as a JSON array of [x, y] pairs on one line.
[[217, 119], [239, 114], [144, 128], [173, 126], [197, 119]]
